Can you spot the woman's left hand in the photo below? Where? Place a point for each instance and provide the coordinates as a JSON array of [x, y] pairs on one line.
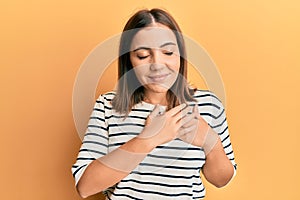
[[194, 131]]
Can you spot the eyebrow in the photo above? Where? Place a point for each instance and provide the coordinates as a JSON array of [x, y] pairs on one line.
[[147, 48]]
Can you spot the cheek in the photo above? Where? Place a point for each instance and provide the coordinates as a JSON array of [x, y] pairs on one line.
[[133, 61], [174, 63], [140, 72]]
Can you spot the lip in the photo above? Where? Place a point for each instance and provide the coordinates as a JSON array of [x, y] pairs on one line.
[[158, 78]]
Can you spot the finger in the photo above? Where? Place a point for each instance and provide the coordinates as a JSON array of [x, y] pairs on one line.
[[178, 116], [188, 120], [155, 111], [193, 121], [183, 134], [189, 129], [196, 111], [153, 114], [176, 109], [187, 135]]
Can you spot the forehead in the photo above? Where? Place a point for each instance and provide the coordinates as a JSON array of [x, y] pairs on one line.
[[153, 37]]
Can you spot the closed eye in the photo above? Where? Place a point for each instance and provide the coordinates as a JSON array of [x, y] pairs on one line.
[[142, 57], [169, 53]]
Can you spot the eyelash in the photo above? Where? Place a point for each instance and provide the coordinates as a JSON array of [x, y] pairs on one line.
[[168, 53], [142, 57]]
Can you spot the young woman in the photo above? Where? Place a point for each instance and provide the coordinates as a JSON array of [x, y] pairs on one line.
[[151, 137]]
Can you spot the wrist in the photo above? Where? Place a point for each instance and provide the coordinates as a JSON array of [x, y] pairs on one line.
[[140, 145], [148, 144], [210, 140]]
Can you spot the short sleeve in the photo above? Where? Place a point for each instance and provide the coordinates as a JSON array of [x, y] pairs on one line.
[[95, 141], [220, 126]]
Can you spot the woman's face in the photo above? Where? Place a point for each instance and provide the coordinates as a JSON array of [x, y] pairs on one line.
[[155, 57]]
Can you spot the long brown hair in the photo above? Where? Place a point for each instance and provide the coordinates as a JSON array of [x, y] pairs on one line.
[[129, 91]]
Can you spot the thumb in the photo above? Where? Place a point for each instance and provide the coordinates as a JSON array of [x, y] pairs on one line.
[[153, 114]]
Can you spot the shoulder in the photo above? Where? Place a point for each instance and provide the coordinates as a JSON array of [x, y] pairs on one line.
[[210, 107], [109, 95], [206, 95], [106, 98], [209, 100]]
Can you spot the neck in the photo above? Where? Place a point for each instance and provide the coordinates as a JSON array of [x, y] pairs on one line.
[[156, 98]]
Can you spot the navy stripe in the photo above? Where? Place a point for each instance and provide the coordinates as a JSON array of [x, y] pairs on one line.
[[199, 190], [129, 116], [200, 197], [120, 134], [98, 109], [229, 153], [126, 124], [169, 167], [225, 138], [99, 101], [209, 104], [221, 113], [109, 190], [108, 108], [141, 110], [74, 174], [108, 117], [96, 126], [180, 148], [98, 135], [178, 158], [125, 195], [202, 95], [98, 118], [93, 142], [94, 151], [220, 123], [116, 144], [164, 175], [113, 93], [228, 145], [106, 195], [154, 183], [79, 158], [107, 99], [223, 130], [137, 117], [198, 184], [207, 95], [209, 114], [154, 192]]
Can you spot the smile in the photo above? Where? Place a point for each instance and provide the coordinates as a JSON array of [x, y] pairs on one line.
[[158, 78]]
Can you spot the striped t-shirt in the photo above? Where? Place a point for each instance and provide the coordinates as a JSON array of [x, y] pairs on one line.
[[171, 170]]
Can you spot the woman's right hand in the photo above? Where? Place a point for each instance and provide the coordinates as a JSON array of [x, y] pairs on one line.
[[162, 128]]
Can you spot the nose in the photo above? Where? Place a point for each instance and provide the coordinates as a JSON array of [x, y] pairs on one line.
[[156, 61]]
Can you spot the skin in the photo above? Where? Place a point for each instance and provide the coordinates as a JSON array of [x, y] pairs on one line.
[[155, 58]]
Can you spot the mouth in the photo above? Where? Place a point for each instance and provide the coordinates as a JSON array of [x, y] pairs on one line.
[[158, 78]]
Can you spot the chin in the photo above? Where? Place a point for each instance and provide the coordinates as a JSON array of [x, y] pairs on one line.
[[157, 88]]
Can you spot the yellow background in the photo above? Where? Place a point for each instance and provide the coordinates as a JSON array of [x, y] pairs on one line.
[[255, 45]]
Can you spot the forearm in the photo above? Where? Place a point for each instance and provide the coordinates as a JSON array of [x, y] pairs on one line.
[[113, 167], [100, 175], [218, 169]]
